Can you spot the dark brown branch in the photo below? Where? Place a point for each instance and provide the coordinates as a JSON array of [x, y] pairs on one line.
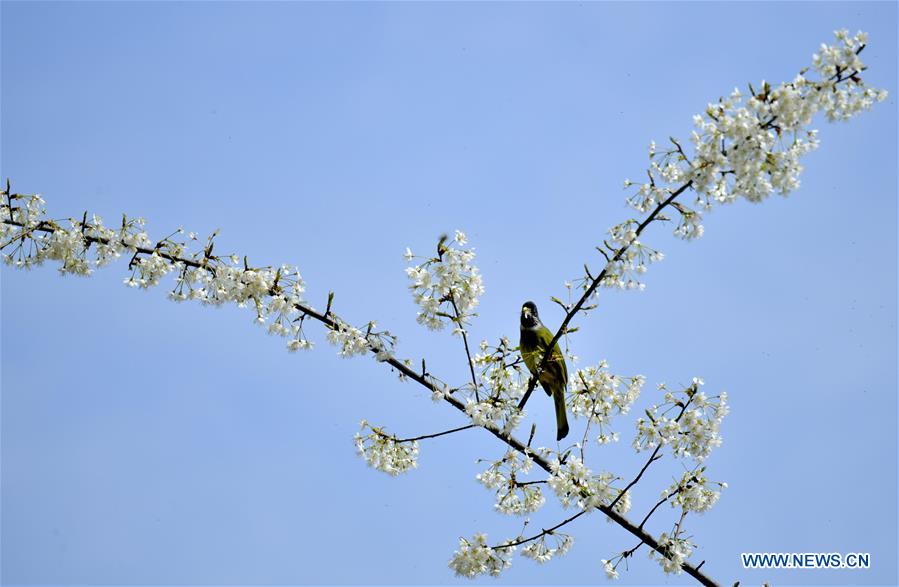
[[656, 506], [523, 483], [629, 553], [435, 435], [652, 458]]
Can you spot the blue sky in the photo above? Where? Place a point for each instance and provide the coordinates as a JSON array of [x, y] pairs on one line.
[[145, 442]]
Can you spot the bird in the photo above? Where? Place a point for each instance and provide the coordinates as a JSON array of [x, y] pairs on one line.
[[535, 338]]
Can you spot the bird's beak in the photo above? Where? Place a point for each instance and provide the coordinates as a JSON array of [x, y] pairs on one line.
[[526, 312]]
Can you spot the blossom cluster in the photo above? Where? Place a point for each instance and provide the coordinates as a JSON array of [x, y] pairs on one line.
[[688, 421], [385, 452], [501, 370], [752, 148], [494, 412], [539, 551], [28, 238], [741, 148], [69, 248], [502, 379], [447, 287], [348, 339], [840, 62], [677, 551], [275, 294], [575, 484], [475, 557], [512, 495], [693, 492], [598, 395], [629, 257]]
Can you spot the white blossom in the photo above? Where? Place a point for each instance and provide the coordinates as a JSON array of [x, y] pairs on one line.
[[440, 391], [496, 413], [299, 344], [688, 421], [151, 268], [447, 287], [629, 257], [503, 386], [475, 557], [598, 395], [745, 147], [513, 496], [693, 492], [609, 569], [69, 248], [383, 452], [677, 550], [540, 552], [348, 339], [575, 484]]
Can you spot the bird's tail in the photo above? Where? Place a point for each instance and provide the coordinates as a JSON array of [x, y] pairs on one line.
[[561, 416]]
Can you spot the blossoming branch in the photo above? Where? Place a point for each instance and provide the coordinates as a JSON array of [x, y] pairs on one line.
[[739, 149]]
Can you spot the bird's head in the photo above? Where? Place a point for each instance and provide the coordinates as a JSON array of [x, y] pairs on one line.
[[529, 317]]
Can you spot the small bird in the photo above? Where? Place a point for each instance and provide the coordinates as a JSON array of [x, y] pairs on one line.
[[535, 338]]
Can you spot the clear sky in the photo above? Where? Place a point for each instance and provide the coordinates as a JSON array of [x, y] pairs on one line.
[[154, 443]]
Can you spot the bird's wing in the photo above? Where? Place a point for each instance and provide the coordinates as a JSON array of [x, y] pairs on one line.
[[555, 373], [544, 337], [529, 353]]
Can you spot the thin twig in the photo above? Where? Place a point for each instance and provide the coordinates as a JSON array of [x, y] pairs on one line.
[[474, 379], [523, 483], [435, 435], [543, 533], [656, 506]]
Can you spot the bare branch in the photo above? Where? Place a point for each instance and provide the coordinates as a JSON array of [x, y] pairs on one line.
[[545, 532], [425, 436]]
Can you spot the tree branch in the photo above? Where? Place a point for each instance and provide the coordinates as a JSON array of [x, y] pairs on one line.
[[543, 533], [563, 328], [652, 458], [435, 435], [332, 321], [656, 506]]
